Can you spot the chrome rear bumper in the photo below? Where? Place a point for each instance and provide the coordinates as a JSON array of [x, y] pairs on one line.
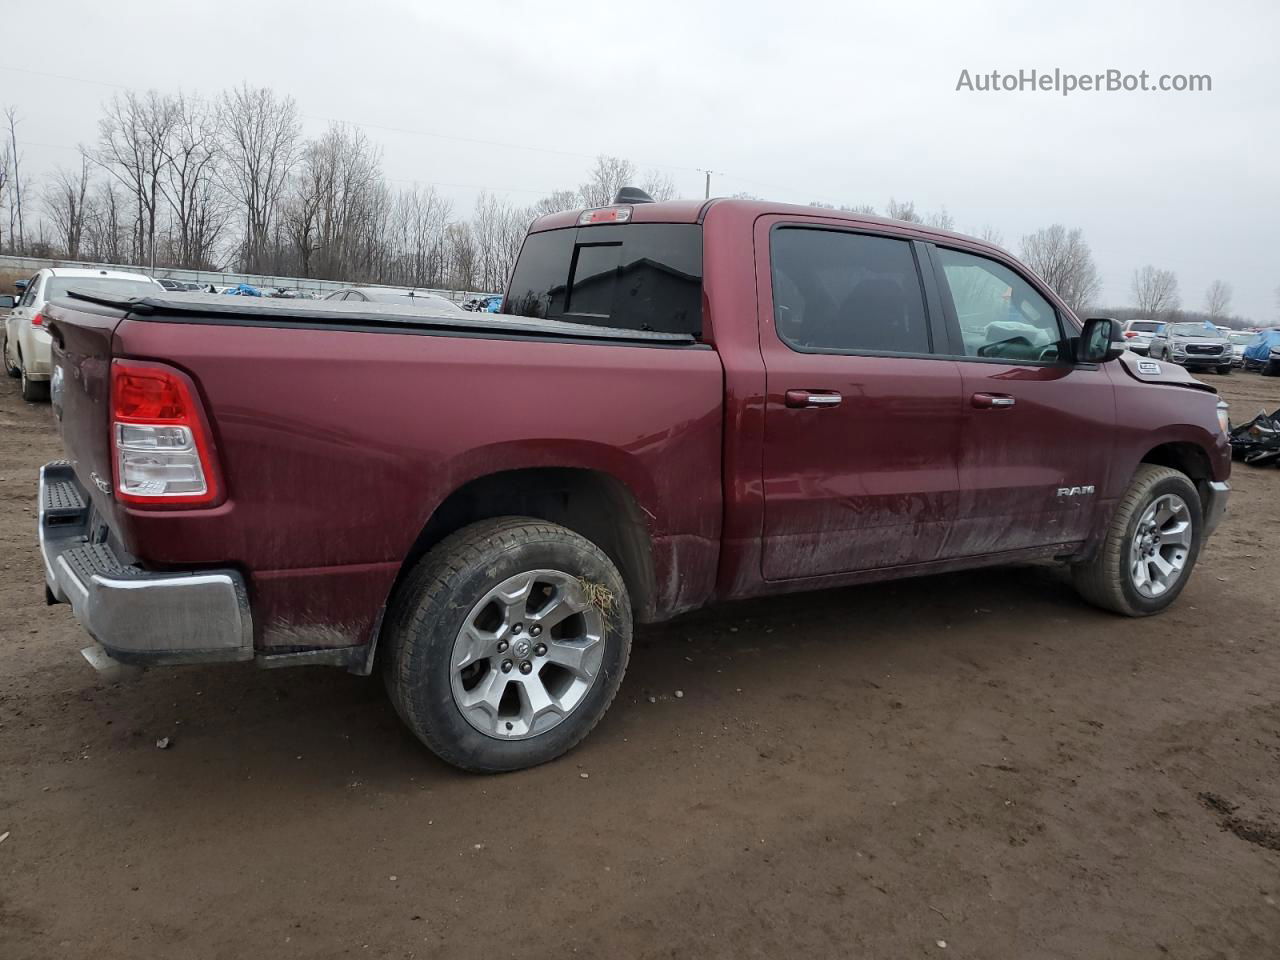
[[139, 617]]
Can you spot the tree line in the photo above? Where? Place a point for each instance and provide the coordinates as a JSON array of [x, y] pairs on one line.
[[178, 180], [230, 182]]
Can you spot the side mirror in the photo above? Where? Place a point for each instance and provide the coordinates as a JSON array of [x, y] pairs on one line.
[[1097, 342], [7, 302]]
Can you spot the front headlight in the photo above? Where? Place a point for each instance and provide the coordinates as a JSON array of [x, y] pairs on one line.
[[1224, 416], [1178, 348]]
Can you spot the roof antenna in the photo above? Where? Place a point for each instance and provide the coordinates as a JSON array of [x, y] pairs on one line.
[[632, 195]]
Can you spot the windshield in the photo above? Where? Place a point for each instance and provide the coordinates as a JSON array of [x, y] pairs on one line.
[[116, 286], [1242, 338], [1193, 330]]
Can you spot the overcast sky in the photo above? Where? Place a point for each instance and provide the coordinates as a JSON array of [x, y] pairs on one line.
[[842, 101]]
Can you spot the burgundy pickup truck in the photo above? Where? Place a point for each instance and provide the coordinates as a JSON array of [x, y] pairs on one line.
[[682, 403]]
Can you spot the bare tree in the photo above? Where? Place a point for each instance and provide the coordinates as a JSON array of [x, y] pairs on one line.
[[65, 200], [1064, 262], [905, 211], [1155, 292], [1217, 300], [991, 235], [104, 237], [941, 220], [260, 141], [192, 154], [14, 181], [605, 179], [658, 185], [132, 144]]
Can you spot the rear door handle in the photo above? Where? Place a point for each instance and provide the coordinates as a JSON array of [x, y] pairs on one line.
[[992, 401], [813, 398]]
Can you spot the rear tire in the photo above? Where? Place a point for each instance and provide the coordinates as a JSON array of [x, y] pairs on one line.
[[453, 623], [34, 391], [1108, 580], [1270, 369]]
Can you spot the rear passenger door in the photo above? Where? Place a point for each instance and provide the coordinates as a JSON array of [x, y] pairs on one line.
[[1037, 429], [862, 415]]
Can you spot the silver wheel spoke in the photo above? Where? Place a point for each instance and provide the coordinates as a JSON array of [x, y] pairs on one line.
[[536, 700], [566, 602], [472, 646], [487, 694], [578, 657]]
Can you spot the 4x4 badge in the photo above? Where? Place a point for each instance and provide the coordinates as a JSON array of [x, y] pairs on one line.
[[1149, 367]]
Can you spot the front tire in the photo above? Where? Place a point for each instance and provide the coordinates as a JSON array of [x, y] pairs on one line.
[[507, 643], [1224, 371], [1150, 547], [10, 368], [1271, 369]]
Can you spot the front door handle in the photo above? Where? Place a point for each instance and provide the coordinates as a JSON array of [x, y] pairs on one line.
[[813, 398], [992, 401]]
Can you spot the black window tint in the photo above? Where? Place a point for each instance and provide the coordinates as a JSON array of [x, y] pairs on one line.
[[847, 292], [594, 283], [640, 276]]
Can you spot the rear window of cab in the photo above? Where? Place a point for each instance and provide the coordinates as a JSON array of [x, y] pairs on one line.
[[638, 276]]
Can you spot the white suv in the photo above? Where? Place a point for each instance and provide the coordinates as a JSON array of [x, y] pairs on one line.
[[26, 338]]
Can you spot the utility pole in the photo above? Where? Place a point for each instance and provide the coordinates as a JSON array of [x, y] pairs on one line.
[[707, 195]]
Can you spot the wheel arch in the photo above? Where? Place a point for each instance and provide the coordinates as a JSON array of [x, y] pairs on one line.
[[1187, 458], [589, 501]]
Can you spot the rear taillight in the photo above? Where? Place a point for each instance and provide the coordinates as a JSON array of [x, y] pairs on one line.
[[1129, 334], [160, 446], [37, 320]]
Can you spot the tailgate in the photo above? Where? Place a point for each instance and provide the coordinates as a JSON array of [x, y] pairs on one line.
[[81, 392]]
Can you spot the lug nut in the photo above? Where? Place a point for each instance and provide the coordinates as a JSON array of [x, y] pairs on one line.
[[540, 649], [536, 631], [506, 666], [526, 666], [502, 646], [517, 628]]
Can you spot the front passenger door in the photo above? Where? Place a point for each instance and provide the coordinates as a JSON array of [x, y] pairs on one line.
[[1037, 429]]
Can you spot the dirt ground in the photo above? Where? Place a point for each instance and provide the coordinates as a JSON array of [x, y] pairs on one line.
[[973, 765]]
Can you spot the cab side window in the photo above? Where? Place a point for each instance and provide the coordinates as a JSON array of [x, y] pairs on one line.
[[840, 292], [1000, 314]]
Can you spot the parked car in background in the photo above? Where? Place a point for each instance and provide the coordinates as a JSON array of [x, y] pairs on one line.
[[1239, 340], [26, 336], [1196, 346], [416, 298], [661, 420], [7, 300], [1263, 352], [1137, 335]]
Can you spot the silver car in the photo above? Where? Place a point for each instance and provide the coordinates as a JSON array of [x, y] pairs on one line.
[[1192, 345], [1138, 333], [432, 302]]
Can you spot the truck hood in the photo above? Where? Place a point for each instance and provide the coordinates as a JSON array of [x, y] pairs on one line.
[[1156, 371]]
